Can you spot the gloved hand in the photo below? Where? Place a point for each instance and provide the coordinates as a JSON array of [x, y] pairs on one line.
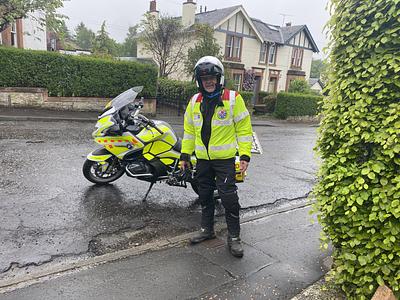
[[243, 165], [184, 165], [184, 162]]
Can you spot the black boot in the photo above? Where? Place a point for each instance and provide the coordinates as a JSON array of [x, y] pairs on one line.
[[203, 235], [235, 246]]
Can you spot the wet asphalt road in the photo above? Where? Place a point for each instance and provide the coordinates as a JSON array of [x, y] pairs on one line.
[[49, 210]]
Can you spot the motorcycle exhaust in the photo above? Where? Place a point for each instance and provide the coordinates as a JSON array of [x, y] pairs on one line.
[[138, 175]]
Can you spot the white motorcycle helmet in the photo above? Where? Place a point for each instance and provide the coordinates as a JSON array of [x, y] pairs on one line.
[[209, 65]]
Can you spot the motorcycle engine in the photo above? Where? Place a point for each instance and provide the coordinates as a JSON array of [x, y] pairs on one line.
[[139, 167]]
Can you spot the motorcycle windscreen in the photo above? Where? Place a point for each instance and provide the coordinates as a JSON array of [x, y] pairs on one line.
[[122, 100]]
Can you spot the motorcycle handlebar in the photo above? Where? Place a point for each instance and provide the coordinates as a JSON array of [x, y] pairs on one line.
[[147, 121], [152, 124]]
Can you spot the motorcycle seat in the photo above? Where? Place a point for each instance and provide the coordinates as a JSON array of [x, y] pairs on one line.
[[178, 145]]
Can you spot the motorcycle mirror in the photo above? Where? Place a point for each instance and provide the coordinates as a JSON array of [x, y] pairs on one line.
[[137, 89]]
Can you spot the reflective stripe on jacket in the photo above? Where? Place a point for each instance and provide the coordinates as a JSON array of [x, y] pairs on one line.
[[230, 128]]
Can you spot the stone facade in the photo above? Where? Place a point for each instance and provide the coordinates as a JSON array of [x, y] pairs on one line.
[[23, 97]]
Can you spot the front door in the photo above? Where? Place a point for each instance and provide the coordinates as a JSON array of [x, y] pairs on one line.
[[272, 85], [257, 88]]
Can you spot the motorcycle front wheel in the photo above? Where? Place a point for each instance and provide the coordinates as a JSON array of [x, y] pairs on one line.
[[103, 172]]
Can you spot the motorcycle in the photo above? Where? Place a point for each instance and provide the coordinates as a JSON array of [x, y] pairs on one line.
[[132, 144]]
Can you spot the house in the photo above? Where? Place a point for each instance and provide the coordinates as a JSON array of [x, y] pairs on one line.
[[25, 33], [277, 55], [316, 84]]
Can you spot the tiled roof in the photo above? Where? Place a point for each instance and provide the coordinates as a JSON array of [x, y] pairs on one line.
[[289, 31], [213, 17], [270, 33]]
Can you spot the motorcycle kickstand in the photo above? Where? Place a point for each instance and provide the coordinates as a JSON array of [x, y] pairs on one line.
[[148, 191]]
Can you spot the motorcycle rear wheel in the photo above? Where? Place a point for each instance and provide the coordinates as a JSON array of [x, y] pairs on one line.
[[93, 172]]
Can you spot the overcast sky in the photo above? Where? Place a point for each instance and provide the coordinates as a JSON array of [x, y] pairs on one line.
[[120, 14]]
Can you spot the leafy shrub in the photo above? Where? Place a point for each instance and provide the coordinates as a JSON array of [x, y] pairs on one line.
[[80, 76], [299, 86], [175, 91], [358, 193], [262, 94], [246, 97], [249, 80], [288, 104], [270, 102]]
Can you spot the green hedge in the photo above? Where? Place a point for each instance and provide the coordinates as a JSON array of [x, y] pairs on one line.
[[79, 76], [358, 191], [246, 97], [175, 91], [291, 105]]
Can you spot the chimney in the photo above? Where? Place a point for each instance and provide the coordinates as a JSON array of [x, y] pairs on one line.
[[188, 13], [153, 8], [288, 24]]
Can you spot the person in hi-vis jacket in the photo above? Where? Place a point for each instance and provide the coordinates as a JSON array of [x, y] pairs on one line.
[[216, 125]]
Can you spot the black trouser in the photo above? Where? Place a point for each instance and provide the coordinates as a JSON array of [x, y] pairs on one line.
[[219, 173]]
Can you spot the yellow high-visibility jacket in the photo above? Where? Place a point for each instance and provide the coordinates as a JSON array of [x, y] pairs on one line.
[[230, 128]]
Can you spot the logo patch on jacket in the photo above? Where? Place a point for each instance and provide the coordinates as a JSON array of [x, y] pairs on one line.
[[196, 117], [222, 114]]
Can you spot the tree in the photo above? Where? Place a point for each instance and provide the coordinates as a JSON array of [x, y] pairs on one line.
[[358, 191], [11, 10], [318, 69], [166, 39], [206, 44], [84, 37], [249, 80], [299, 86], [104, 45], [65, 37], [130, 43]]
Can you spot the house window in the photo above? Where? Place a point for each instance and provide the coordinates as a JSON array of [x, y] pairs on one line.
[[233, 48], [237, 79], [272, 54], [14, 35], [263, 53], [53, 44], [297, 57]]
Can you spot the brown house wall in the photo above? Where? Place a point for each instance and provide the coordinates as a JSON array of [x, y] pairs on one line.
[[6, 36]]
